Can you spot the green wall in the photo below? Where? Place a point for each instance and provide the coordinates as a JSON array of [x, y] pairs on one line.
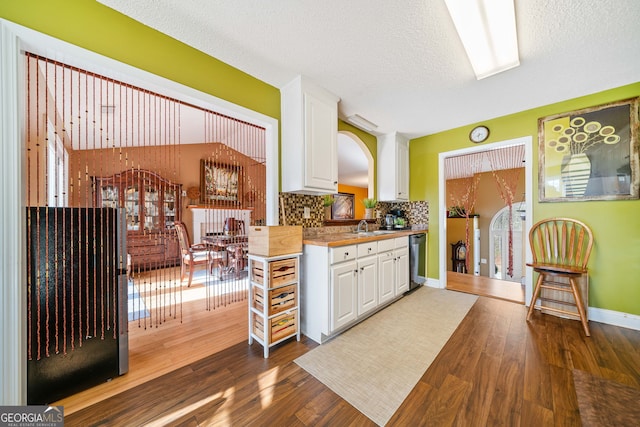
[[614, 266], [95, 27]]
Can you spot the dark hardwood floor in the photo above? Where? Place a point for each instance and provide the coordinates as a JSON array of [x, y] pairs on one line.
[[497, 369]]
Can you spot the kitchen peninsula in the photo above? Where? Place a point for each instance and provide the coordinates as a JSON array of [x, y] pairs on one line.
[[347, 277]]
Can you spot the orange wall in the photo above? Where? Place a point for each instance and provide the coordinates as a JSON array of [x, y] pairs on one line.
[[359, 194], [180, 164]]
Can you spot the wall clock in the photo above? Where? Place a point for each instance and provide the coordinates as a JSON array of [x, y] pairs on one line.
[[479, 134]]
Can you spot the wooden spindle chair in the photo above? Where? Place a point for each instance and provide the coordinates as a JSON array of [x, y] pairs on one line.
[[561, 249], [192, 255]]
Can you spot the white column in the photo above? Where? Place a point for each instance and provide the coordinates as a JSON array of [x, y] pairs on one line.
[[476, 247], [13, 358]]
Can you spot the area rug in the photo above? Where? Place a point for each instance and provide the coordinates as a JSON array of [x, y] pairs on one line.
[[605, 402], [375, 364]]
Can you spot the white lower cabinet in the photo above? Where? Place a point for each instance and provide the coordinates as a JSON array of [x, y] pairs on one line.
[[402, 270], [343, 285], [367, 284], [386, 276], [343, 294], [393, 265]]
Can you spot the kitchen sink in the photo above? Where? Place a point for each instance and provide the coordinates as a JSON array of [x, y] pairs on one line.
[[373, 233]]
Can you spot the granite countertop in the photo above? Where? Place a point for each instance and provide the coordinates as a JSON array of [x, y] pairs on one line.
[[342, 239]]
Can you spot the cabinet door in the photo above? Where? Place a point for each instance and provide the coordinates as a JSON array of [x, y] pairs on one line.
[[151, 207], [402, 270], [386, 276], [393, 167], [109, 196], [402, 170], [367, 284], [132, 207], [170, 207], [343, 294], [320, 132]]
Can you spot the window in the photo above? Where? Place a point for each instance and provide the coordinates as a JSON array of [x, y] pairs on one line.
[[57, 169]]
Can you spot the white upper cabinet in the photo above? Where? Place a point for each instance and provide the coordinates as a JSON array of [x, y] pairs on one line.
[[309, 138], [393, 167]]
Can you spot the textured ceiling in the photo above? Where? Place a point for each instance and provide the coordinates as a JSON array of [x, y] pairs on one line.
[[404, 68]]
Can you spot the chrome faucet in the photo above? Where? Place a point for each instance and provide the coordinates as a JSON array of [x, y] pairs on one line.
[[366, 226]]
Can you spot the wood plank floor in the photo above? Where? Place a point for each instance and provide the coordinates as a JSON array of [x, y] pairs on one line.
[[484, 286], [156, 349], [497, 369]]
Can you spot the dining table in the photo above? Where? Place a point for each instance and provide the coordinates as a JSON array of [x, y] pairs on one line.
[[233, 250]]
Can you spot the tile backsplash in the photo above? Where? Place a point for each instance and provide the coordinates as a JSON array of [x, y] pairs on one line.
[[417, 211], [294, 205]]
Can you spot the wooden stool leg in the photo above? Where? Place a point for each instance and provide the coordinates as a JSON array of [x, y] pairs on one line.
[[536, 294], [581, 310]]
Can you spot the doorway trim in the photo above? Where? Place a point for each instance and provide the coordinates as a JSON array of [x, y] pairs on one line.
[[14, 40], [527, 141], [370, 161]]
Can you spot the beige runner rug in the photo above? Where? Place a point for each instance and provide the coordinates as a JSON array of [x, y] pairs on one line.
[[375, 364]]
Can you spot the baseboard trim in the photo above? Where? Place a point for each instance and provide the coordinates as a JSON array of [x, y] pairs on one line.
[[601, 315], [433, 283], [615, 318]]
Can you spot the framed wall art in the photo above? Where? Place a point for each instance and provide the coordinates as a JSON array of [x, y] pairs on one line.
[[342, 207], [589, 154], [220, 183]]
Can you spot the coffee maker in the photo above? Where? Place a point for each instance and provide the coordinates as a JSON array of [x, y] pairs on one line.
[[389, 221], [398, 214]]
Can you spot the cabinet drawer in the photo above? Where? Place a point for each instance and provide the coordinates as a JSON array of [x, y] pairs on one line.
[[342, 253], [401, 242], [146, 250], [280, 272], [279, 327], [386, 245], [283, 326], [280, 299], [366, 249]]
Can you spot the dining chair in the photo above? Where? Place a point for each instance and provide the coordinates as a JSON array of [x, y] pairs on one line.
[[192, 255], [561, 249]]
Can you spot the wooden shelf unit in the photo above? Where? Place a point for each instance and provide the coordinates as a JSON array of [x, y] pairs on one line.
[[274, 299]]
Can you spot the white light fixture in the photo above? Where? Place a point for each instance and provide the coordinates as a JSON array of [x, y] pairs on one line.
[[362, 123], [487, 29]]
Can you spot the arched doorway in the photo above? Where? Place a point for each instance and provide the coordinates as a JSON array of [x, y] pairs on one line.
[[499, 244], [355, 170]]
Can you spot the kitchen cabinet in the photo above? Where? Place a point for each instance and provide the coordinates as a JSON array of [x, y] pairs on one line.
[[402, 269], [393, 167], [342, 285], [273, 299], [367, 277], [393, 265], [152, 207], [343, 294], [387, 275], [309, 138]]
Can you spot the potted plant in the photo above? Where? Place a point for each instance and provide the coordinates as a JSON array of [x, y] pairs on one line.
[[327, 201], [369, 205]]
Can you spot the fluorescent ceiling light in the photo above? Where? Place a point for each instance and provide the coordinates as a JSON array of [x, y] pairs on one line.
[[362, 123], [487, 29]]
